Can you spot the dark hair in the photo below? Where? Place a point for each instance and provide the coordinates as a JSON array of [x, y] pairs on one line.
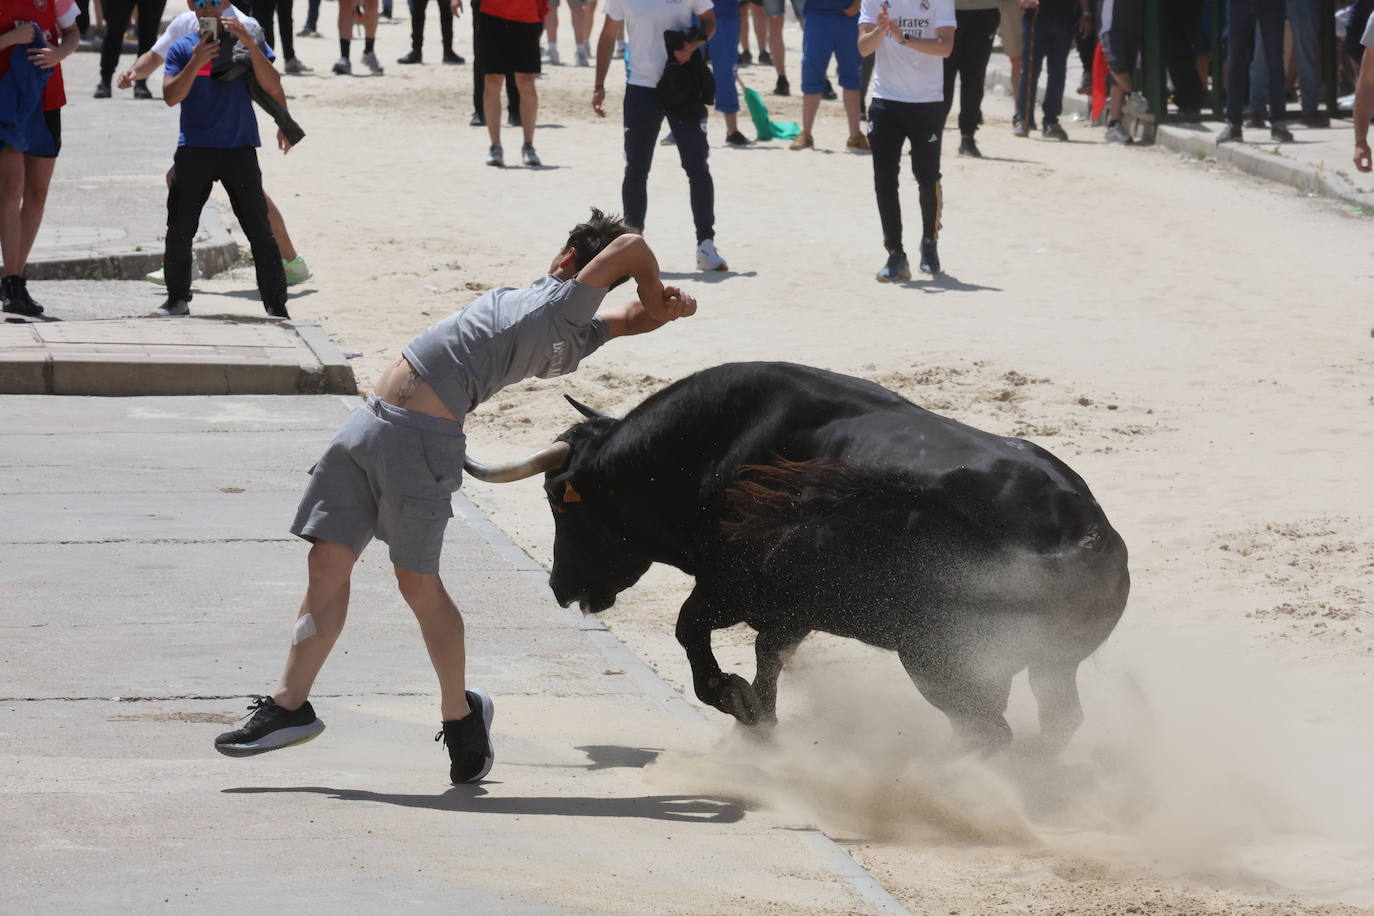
[[589, 239]]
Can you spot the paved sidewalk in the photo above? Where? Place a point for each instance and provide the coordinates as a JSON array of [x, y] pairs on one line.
[[1319, 162], [171, 356], [149, 584]]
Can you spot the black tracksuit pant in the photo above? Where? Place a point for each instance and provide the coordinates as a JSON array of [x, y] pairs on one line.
[[262, 11], [479, 74], [194, 171], [417, 24], [117, 15], [890, 125], [969, 61]]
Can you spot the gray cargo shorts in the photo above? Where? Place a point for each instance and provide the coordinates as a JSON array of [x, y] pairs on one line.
[[390, 473]]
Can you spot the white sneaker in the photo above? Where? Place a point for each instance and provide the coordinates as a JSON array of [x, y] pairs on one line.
[[159, 276], [373, 63], [584, 56], [708, 258], [551, 56]]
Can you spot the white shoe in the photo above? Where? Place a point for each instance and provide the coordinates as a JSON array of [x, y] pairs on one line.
[[584, 56], [159, 276], [708, 258], [619, 48], [373, 63], [551, 56]]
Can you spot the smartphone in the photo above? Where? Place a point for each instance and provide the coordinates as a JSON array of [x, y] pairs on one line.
[[209, 28]]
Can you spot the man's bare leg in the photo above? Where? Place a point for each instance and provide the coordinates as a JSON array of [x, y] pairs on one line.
[[491, 104], [288, 250], [775, 46], [441, 625], [11, 200], [37, 176], [529, 105], [326, 601]]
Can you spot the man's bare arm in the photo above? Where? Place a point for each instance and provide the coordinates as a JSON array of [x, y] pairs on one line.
[[144, 67], [629, 318], [1364, 107], [628, 256]]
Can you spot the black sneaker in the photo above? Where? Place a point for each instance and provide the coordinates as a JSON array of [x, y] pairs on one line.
[[277, 311], [22, 284], [930, 258], [513, 119], [271, 728], [1231, 133], [102, 90], [1279, 132], [413, 57], [469, 740], [15, 302], [450, 57], [968, 148], [745, 59], [477, 120], [829, 93], [1054, 131], [896, 268], [737, 139], [171, 308], [141, 90], [765, 59], [782, 87]]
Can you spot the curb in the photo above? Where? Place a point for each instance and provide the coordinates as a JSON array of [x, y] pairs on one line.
[[87, 362], [216, 253], [1258, 161]]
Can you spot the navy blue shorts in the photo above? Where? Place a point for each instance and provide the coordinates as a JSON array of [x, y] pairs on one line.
[[824, 35]]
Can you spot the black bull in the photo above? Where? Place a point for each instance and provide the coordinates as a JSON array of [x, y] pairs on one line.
[[805, 500]]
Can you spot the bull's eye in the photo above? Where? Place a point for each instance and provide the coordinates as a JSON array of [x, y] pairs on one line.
[[570, 495]]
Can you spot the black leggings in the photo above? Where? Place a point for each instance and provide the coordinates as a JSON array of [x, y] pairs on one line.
[[262, 11], [479, 75], [890, 124], [969, 59], [117, 14], [194, 170], [417, 24]]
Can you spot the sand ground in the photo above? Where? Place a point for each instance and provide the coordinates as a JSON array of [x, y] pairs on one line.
[[1194, 342]]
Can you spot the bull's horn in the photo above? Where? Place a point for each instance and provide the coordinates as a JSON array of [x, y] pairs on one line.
[[590, 413], [548, 458]]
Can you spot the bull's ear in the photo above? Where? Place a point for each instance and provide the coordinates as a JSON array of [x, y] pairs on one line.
[[590, 413], [570, 495]]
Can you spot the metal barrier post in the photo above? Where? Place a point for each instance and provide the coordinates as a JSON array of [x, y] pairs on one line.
[[1330, 55], [1218, 61], [1155, 85]]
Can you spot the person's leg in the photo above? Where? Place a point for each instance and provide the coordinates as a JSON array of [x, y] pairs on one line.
[[371, 15], [491, 104], [287, 51], [11, 210], [815, 61], [284, 243], [693, 151], [445, 27], [264, 11], [744, 28], [1257, 100], [346, 8], [479, 82], [1058, 38], [417, 26], [760, 27], [845, 45], [529, 101], [242, 180], [886, 136], [441, 625], [950, 63], [149, 23], [193, 174], [117, 13], [1272, 16], [1030, 72], [926, 127], [776, 48], [1240, 45], [643, 117], [330, 567], [581, 16], [1183, 19], [1302, 16], [973, 65], [724, 63], [551, 32], [312, 16], [37, 177]]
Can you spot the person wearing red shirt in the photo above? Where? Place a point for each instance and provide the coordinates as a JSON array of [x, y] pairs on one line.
[[26, 173], [508, 42]]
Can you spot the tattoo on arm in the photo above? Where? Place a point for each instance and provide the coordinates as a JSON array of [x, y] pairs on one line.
[[412, 381]]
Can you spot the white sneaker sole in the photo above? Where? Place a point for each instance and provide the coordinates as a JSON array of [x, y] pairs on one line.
[[487, 709], [282, 737]]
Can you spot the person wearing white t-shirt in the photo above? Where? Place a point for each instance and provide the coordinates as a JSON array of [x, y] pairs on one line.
[[297, 271], [1364, 100], [645, 22], [909, 40]]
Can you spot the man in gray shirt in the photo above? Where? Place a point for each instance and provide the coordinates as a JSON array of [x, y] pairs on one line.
[[391, 470]]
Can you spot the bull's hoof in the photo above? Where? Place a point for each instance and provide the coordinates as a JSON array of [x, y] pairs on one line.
[[737, 697]]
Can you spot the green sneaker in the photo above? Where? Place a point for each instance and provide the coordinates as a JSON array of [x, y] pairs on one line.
[[297, 271], [160, 278]]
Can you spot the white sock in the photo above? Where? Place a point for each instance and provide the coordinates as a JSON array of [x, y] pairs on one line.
[[553, 47]]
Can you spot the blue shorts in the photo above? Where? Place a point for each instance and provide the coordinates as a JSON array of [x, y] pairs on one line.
[[724, 46], [826, 34]]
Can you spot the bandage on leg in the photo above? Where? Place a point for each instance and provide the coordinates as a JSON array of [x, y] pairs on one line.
[[305, 628]]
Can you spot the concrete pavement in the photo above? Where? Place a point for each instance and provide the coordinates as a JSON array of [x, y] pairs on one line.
[[147, 584]]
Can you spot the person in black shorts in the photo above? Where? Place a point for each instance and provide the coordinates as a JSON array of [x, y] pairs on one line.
[[1122, 25], [508, 42]]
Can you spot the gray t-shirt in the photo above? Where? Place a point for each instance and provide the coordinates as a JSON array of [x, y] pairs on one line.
[[507, 335]]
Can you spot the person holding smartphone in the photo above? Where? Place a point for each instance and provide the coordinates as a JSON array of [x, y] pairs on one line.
[[218, 142]]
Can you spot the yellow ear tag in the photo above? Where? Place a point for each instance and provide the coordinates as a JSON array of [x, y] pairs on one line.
[[569, 494]]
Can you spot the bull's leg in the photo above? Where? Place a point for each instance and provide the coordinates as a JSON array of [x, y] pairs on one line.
[[768, 650], [729, 693], [975, 701], [1055, 685]]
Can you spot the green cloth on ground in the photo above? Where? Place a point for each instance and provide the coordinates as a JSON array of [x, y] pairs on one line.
[[767, 129]]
